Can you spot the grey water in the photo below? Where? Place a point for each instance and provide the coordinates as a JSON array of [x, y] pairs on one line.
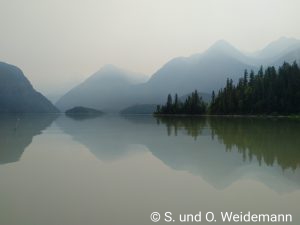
[[117, 170]]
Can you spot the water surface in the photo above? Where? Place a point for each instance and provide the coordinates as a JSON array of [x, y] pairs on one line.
[[114, 170]]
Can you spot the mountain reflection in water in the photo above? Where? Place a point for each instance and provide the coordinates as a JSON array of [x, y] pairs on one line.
[[220, 150]]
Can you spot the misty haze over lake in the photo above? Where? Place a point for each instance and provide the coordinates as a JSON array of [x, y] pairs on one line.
[[111, 110]]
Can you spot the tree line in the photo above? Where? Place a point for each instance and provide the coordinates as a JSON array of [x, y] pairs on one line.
[[267, 92], [193, 104]]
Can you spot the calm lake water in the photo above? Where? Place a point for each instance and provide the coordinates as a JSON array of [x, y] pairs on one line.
[[114, 170]]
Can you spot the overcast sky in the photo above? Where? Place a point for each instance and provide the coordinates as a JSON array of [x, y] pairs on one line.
[[58, 43]]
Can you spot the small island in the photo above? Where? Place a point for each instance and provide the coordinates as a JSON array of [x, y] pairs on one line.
[[80, 112]]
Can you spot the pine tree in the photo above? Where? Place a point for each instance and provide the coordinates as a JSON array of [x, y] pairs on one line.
[[267, 92]]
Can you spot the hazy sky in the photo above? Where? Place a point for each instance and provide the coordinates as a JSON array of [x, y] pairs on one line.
[[58, 43]]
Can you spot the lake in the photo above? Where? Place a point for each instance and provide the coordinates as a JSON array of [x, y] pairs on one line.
[[117, 170]]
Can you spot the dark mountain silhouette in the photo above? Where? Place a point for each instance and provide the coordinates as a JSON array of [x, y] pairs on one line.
[[17, 94], [17, 131]]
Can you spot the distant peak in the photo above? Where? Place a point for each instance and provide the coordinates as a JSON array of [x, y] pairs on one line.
[[222, 42], [222, 45], [112, 71]]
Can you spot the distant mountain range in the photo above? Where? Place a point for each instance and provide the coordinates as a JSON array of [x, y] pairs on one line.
[[17, 94], [112, 89]]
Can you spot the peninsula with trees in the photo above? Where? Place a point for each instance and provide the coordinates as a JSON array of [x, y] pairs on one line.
[[268, 92]]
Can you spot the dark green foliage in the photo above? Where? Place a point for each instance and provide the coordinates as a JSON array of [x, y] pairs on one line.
[[272, 141], [194, 126], [193, 105], [267, 92]]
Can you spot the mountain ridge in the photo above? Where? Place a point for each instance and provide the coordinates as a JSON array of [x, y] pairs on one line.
[[17, 94], [206, 71]]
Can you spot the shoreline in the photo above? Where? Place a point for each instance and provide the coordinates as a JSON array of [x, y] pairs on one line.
[[230, 116]]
